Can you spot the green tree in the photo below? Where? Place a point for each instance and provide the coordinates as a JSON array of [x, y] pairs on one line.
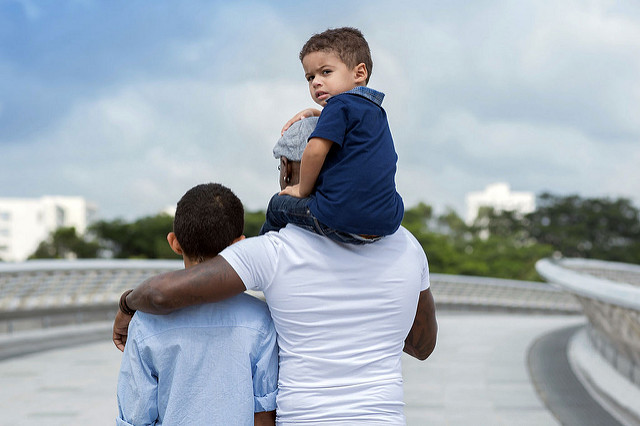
[[416, 219], [63, 243], [597, 228], [506, 224], [504, 257], [439, 247], [453, 247], [144, 239], [253, 222]]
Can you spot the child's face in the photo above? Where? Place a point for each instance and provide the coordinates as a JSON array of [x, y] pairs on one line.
[[327, 76]]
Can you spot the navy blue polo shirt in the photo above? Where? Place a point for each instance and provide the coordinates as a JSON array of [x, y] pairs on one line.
[[356, 191]]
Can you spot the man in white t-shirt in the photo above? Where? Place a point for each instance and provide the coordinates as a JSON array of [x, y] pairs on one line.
[[343, 314]]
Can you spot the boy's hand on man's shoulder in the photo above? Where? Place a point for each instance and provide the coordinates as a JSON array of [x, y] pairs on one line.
[[293, 190], [309, 112]]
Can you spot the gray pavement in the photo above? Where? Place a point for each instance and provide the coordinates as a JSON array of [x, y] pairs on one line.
[[562, 391], [477, 376]]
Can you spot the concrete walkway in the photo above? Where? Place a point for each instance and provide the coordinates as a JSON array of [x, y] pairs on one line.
[[477, 376]]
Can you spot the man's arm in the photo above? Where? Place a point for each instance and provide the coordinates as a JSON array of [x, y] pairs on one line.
[[264, 418], [209, 281], [421, 340]]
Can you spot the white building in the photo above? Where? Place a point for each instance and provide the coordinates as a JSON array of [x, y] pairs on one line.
[[25, 222], [500, 197]]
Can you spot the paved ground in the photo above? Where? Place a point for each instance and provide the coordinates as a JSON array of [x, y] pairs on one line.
[[557, 384], [477, 376]]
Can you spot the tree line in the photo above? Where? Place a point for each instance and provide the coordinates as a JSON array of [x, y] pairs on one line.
[[498, 244]]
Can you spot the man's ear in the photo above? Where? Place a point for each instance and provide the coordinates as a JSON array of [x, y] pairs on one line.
[[361, 73], [240, 238], [173, 243]]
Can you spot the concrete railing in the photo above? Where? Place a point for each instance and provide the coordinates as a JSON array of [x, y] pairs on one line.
[[460, 292], [48, 293], [609, 293], [41, 294]]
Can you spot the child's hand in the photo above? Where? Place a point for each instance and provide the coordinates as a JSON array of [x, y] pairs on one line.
[[293, 190], [309, 112]]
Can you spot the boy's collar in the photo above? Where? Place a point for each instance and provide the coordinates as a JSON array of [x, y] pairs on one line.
[[366, 92]]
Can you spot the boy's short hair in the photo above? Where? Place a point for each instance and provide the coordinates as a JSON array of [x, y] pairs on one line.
[[208, 218], [346, 42]]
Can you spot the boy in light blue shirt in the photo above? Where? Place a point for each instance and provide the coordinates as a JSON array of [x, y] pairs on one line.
[[212, 364], [347, 175]]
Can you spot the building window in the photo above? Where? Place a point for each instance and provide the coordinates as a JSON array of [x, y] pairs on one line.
[[4, 232], [6, 216]]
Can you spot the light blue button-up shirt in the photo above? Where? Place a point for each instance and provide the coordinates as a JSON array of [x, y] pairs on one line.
[[213, 364]]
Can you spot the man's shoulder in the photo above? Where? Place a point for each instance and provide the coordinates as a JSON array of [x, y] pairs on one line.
[[307, 242], [402, 237]]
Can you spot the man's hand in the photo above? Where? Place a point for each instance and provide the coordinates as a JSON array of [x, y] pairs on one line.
[[309, 112], [121, 329], [293, 190]]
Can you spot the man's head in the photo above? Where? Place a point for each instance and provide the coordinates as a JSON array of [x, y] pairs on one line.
[[335, 61], [209, 217], [290, 147]]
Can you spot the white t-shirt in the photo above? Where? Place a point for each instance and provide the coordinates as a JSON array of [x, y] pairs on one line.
[[342, 313]]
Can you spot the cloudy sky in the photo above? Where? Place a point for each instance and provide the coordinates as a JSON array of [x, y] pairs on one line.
[[129, 104]]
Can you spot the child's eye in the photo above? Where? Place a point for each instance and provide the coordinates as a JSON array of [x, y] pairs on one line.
[[309, 78], [326, 72]]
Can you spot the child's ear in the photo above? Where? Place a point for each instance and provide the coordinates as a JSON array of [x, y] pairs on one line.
[[361, 73], [173, 243]]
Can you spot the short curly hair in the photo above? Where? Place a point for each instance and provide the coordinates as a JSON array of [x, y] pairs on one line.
[[346, 42], [208, 218]]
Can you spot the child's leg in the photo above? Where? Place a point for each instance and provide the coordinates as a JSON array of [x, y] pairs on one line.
[[285, 209], [345, 237]]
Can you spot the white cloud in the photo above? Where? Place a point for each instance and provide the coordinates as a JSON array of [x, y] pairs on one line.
[[143, 146], [462, 153], [543, 95]]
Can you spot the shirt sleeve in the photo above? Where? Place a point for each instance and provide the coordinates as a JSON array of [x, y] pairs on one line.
[[426, 282], [332, 124], [254, 260], [265, 373], [137, 392], [421, 257]]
